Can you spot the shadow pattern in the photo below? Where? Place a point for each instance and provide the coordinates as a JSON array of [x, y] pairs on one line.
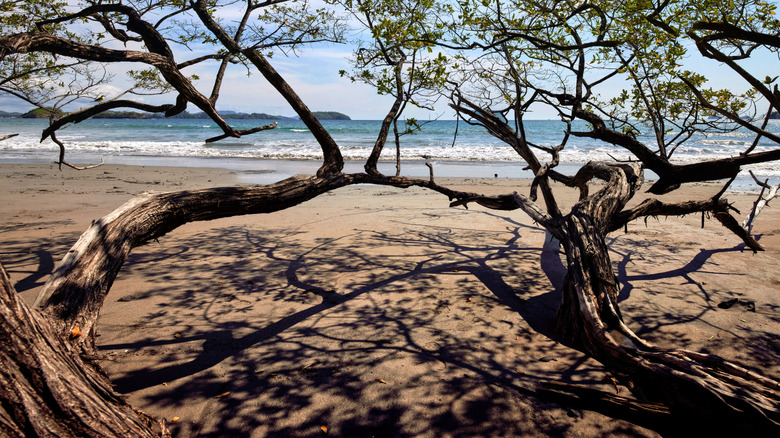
[[430, 329]]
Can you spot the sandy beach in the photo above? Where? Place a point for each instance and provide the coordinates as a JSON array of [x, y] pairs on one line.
[[375, 311]]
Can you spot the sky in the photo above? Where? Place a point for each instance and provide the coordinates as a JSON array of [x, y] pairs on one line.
[[314, 75]]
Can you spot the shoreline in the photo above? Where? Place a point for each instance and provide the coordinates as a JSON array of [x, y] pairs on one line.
[[267, 171], [271, 170], [291, 150], [371, 309]]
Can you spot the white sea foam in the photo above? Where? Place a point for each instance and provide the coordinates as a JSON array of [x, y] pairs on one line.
[[292, 141], [306, 149]]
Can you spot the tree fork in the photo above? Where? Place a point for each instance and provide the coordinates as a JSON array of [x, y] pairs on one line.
[[718, 396], [333, 160]]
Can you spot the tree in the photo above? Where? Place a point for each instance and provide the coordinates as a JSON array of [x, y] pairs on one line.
[[394, 61], [560, 55], [505, 58]]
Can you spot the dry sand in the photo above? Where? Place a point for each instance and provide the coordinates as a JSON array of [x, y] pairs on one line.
[[373, 311]]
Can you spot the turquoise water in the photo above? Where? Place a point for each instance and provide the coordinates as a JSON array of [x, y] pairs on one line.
[[290, 148]]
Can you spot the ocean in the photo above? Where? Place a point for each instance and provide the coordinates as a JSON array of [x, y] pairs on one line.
[[289, 149]]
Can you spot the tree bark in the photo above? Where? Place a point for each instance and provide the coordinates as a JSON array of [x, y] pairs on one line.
[[47, 390], [716, 396]]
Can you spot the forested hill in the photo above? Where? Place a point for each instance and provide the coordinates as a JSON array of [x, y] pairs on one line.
[[330, 115], [42, 114]]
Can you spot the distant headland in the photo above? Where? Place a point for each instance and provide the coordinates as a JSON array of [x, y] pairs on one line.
[[42, 114]]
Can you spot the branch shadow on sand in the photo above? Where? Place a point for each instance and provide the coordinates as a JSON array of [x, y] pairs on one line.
[[671, 295], [30, 262], [425, 330]]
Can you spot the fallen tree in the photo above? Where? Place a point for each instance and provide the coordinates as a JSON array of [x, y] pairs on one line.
[[54, 387]]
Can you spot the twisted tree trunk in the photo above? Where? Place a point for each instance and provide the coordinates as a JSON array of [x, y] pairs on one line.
[[72, 297], [715, 396], [47, 390], [74, 294]]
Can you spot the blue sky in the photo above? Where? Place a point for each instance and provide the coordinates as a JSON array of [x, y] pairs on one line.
[[314, 75]]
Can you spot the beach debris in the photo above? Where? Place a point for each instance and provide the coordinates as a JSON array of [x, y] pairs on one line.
[[177, 335], [468, 300], [165, 384], [127, 298], [768, 192], [307, 368], [324, 429], [224, 394], [381, 381], [75, 332], [174, 419], [750, 306]]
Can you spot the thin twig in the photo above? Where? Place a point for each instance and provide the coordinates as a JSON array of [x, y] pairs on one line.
[[88, 166], [761, 202]]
